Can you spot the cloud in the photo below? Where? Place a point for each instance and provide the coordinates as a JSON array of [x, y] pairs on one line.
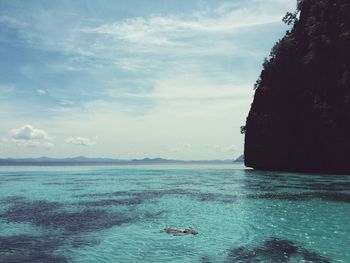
[[66, 103], [153, 80], [29, 137], [27, 132], [80, 141], [63, 68], [12, 22], [41, 91], [181, 31], [33, 144], [101, 41]]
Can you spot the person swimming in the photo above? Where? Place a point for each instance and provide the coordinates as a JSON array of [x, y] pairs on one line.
[[186, 231]]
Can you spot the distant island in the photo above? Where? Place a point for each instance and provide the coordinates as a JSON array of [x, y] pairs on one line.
[[299, 120], [240, 159], [82, 160]]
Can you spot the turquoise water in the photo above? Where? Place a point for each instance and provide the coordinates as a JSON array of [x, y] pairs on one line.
[[117, 214]]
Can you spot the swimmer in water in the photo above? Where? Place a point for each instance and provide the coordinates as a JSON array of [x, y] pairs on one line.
[[186, 231]]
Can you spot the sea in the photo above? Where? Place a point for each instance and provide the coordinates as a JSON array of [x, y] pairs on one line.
[[118, 214]]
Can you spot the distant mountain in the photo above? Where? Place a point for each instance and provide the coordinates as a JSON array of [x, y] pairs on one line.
[[79, 159], [240, 159], [82, 160]]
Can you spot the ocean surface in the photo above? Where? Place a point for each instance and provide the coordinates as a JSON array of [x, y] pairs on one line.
[[118, 213]]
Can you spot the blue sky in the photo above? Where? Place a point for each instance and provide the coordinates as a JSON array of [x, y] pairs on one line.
[[131, 79]]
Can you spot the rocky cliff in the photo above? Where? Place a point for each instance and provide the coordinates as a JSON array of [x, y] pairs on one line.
[[300, 116]]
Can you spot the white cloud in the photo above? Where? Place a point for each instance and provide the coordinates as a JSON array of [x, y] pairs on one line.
[[66, 103], [80, 141], [41, 92], [29, 137], [270, 5], [129, 64], [186, 33], [181, 31], [63, 68], [27, 132]]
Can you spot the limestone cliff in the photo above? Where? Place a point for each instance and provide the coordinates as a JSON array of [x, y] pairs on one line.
[[300, 116]]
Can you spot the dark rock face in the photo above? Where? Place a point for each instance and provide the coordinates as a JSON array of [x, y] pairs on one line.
[[300, 117]]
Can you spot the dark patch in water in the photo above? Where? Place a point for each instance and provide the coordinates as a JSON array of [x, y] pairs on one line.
[[242, 255], [150, 194], [320, 186], [279, 250], [313, 257], [15, 179], [280, 196], [138, 197], [273, 251], [117, 193], [74, 189], [82, 242], [68, 183], [206, 197], [259, 186], [267, 188], [84, 221], [339, 186], [205, 259], [148, 215], [325, 196], [88, 180], [112, 202], [50, 215], [47, 214], [68, 226], [263, 181], [12, 199], [25, 248], [26, 211], [178, 183]]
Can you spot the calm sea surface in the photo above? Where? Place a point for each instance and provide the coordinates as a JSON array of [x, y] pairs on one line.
[[117, 214]]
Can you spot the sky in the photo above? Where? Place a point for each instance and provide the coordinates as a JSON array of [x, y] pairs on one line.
[[131, 78]]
